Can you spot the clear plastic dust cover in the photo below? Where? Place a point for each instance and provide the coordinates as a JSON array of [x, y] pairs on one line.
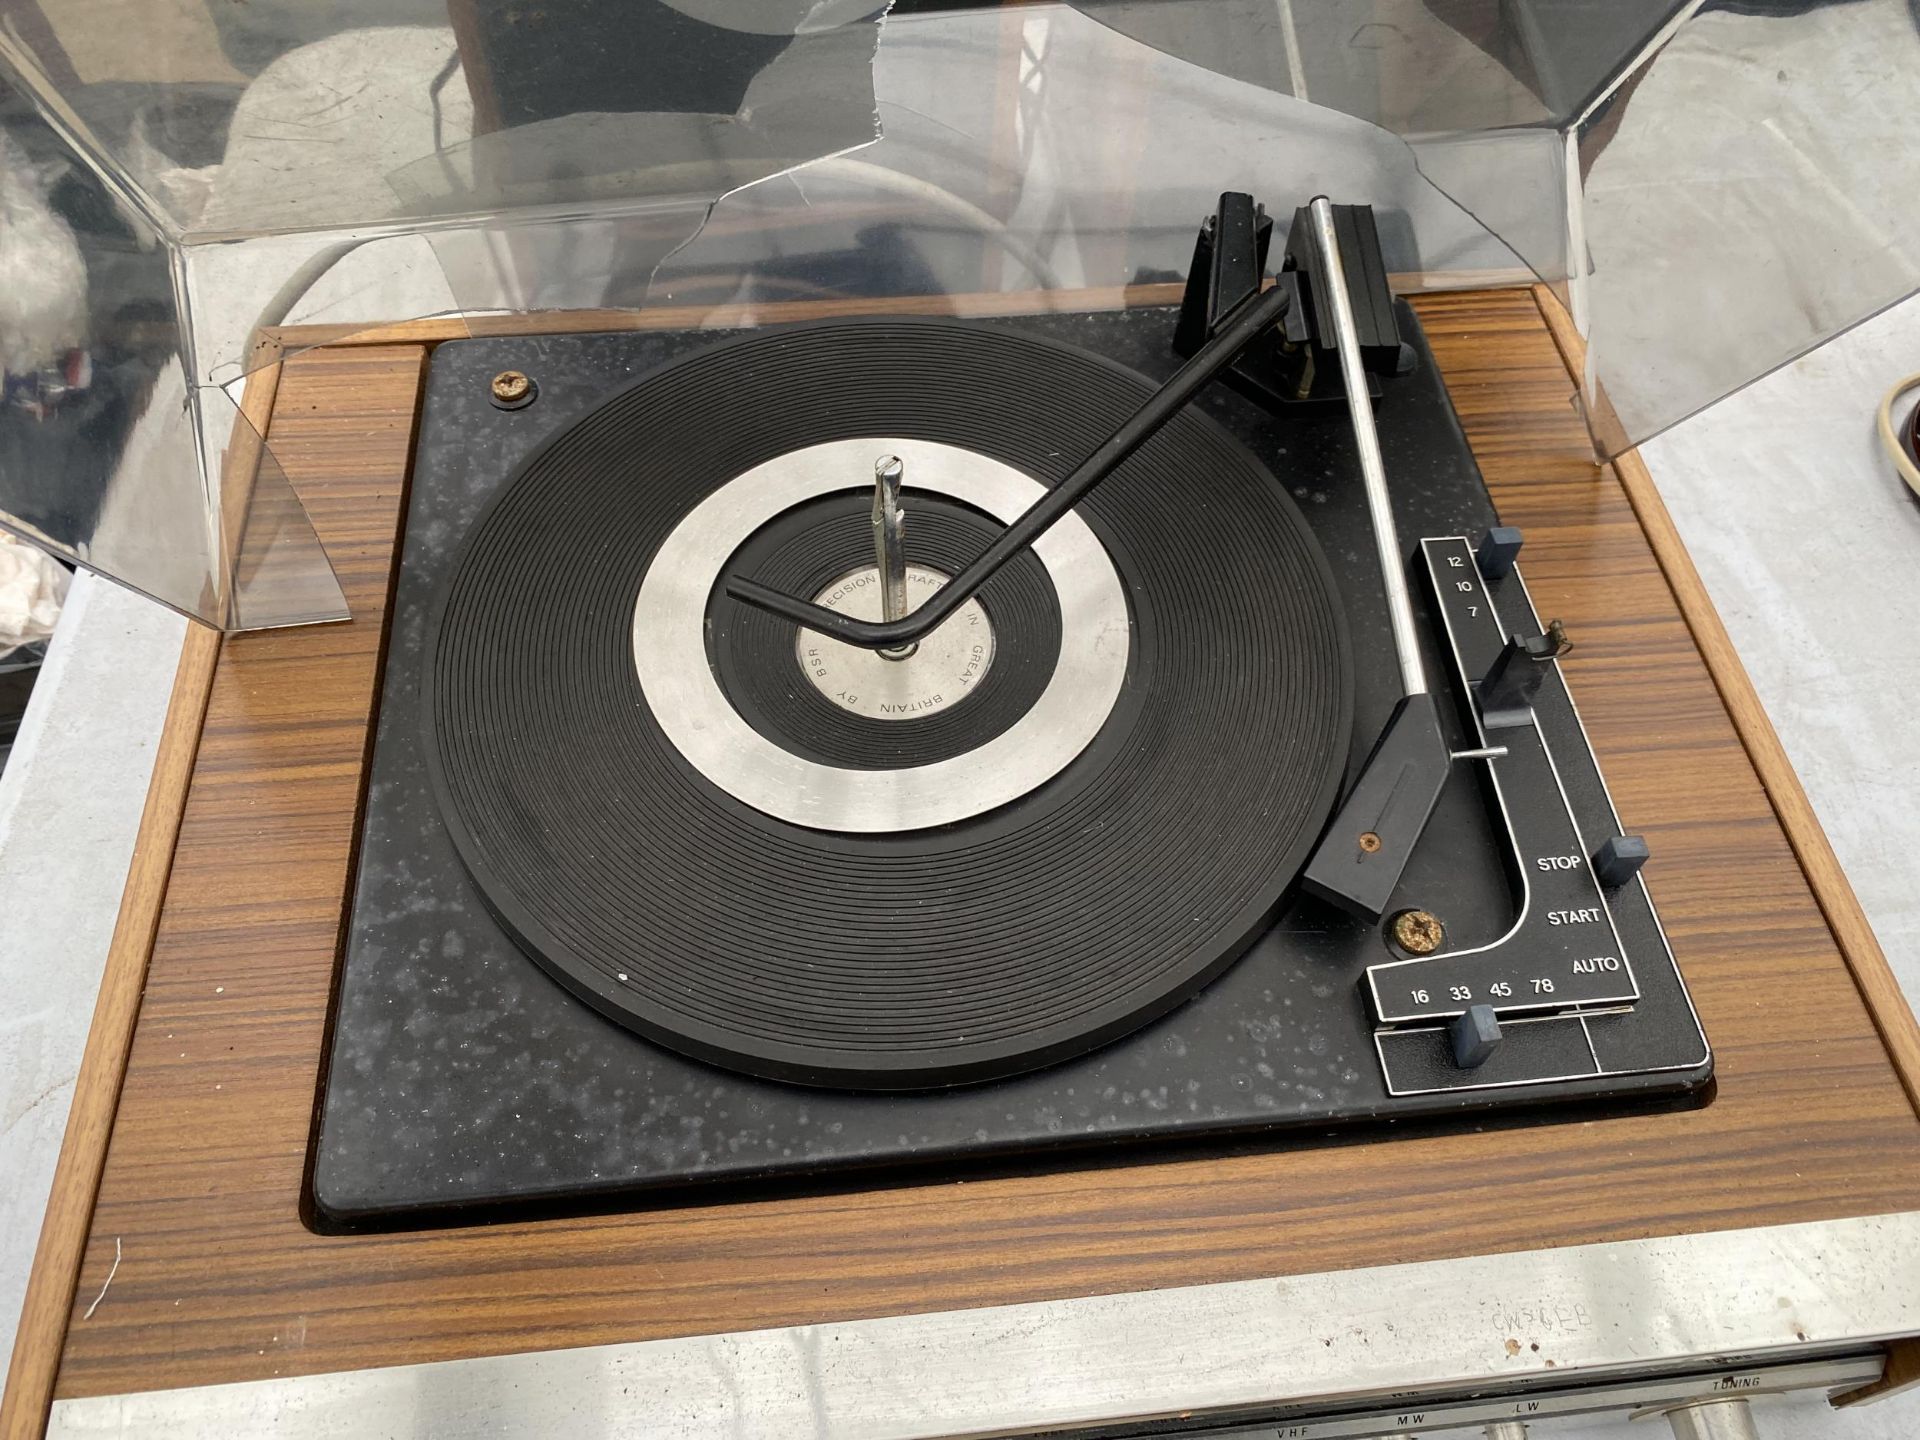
[[191, 190]]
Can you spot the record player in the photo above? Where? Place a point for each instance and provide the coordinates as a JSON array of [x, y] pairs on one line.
[[878, 747], [835, 688]]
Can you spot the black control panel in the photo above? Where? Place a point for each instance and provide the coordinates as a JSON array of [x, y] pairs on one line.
[[1523, 1008]]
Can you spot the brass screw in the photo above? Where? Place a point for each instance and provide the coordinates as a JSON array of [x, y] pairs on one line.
[[1418, 932], [511, 387], [1369, 842]]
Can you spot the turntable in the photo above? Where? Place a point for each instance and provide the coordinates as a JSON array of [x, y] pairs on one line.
[[883, 747], [857, 760]]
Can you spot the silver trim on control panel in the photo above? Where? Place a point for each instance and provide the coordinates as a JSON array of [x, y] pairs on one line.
[[1634, 1398], [1214, 1356]]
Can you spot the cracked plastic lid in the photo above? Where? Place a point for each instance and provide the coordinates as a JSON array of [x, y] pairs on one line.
[[192, 193]]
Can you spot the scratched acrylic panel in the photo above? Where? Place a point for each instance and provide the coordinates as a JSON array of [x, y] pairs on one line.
[[1712, 186], [115, 452]]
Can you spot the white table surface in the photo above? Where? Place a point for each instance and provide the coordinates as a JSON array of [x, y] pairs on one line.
[[70, 803]]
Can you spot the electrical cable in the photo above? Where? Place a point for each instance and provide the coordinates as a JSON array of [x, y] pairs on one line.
[[1902, 452]]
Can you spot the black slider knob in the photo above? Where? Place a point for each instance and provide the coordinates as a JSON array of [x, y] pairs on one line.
[[1499, 548], [1474, 1035], [1619, 860]]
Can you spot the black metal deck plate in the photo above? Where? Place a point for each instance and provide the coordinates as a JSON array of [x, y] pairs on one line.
[[463, 1081]]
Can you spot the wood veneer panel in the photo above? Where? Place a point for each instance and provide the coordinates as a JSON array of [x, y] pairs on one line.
[[1899, 1031], [219, 1280]]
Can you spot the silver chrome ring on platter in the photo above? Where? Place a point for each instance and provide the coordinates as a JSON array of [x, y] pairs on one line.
[[670, 648]]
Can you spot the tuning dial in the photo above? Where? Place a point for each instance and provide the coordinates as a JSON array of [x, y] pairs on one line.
[[1713, 1420]]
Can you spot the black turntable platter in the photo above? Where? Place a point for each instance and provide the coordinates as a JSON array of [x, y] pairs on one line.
[[1003, 874]]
